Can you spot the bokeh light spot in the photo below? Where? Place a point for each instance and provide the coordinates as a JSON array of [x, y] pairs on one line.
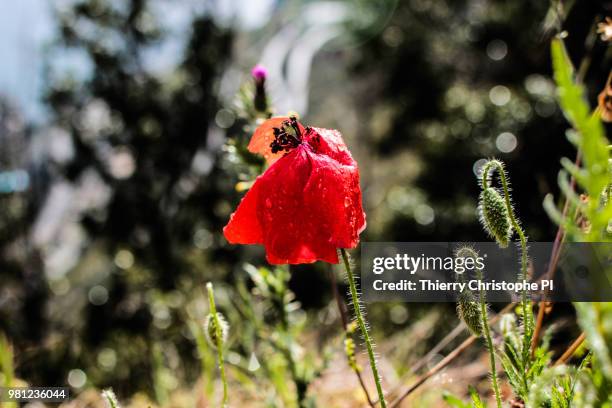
[[124, 259], [225, 118], [506, 142], [398, 314], [202, 238], [107, 358], [424, 214], [477, 167], [499, 95], [393, 36], [497, 50], [98, 295], [77, 378]]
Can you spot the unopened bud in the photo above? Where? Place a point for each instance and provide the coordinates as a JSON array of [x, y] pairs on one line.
[[210, 329], [260, 101], [494, 216], [468, 310]]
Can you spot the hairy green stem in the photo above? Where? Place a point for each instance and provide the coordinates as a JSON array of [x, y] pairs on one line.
[[486, 331], [497, 165], [363, 327], [213, 311]]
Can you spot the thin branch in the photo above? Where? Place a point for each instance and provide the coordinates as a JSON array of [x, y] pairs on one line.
[[446, 360], [552, 267], [435, 369], [438, 347], [570, 351]]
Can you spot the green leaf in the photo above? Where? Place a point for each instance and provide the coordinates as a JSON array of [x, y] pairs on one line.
[[454, 401], [596, 321], [476, 401], [6, 360], [589, 137]]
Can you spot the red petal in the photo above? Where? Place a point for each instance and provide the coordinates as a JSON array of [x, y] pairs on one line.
[[330, 143], [333, 194], [305, 205], [243, 226], [264, 136], [292, 235], [310, 205]]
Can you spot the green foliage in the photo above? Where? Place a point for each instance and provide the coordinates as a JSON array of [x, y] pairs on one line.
[[595, 319], [532, 380], [6, 366], [521, 369], [454, 401], [271, 323], [564, 386], [476, 401], [6, 361], [215, 327], [594, 175], [562, 392], [205, 355]]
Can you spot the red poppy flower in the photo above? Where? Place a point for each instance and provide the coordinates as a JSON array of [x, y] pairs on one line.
[[307, 204]]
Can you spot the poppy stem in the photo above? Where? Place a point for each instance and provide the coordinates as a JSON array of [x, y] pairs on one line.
[[526, 313], [486, 332], [344, 319], [215, 316], [363, 327]]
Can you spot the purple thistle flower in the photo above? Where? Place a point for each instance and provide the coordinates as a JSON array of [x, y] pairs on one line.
[[259, 72]]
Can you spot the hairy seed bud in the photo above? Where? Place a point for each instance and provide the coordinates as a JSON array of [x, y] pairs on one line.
[[210, 329], [468, 310], [494, 216]]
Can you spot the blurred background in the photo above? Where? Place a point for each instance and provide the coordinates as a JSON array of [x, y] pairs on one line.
[[116, 177]]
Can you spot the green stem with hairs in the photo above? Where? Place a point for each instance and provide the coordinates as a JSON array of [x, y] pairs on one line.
[[213, 311], [484, 321], [486, 331], [497, 165], [362, 326]]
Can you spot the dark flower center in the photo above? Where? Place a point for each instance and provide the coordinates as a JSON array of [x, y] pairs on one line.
[[287, 136]]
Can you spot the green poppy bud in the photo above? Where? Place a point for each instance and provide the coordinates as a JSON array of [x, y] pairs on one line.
[[210, 329], [494, 216], [468, 310]]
